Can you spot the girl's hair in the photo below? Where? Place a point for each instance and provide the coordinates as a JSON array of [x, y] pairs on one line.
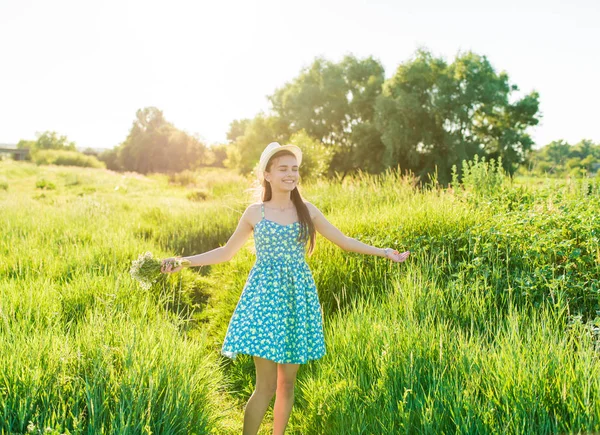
[[307, 228]]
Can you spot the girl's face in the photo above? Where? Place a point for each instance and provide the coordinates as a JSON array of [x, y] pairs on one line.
[[283, 174]]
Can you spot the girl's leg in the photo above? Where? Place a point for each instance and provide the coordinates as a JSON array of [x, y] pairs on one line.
[[266, 385], [286, 377]]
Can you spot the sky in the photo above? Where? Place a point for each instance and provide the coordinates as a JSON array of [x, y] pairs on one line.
[[84, 68]]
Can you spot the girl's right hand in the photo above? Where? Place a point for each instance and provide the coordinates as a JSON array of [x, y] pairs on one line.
[[396, 256], [167, 266]]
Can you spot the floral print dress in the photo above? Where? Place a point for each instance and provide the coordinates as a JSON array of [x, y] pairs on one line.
[[278, 315]]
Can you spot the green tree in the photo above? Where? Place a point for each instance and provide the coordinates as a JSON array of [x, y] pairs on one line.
[[560, 158], [334, 104], [237, 128], [260, 131], [26, 144], [316, 157], [47, 140], [111, 158], [557, 152], [584, 149], [50, 140], [185, 151], [216, 155], [433, 115], [155, 145]]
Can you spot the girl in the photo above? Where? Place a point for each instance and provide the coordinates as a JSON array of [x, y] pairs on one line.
[[278, 319]]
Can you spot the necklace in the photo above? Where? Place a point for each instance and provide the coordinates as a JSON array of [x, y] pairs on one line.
[[281, 208]]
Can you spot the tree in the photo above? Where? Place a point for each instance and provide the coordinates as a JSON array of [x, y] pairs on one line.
[[216, 156], [559, 157], [47, 140], [316, 157], [155, 145], [260, 131], [111, 158], [585, 148], [144, 149], [557, 152], [26, 144], [432, 115], [237, 128], [329, 101]]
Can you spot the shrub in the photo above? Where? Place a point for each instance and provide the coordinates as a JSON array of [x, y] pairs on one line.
[[72, 180], [66, 158], [197, 195], [479, 176], [45, 184], [183, 178]]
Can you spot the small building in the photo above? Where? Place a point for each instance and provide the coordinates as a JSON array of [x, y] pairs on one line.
[[16, 153]]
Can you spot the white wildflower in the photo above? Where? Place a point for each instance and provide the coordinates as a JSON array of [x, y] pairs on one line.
[[146, 269]]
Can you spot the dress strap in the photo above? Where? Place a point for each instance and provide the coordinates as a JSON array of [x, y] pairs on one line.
[[262, 209]]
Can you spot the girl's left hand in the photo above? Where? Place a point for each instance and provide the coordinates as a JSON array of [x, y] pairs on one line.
[[397, 256]]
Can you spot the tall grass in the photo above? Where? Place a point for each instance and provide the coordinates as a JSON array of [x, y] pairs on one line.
[[491, 326]]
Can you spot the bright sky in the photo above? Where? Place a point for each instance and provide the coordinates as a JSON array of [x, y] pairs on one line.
[[83, 68]]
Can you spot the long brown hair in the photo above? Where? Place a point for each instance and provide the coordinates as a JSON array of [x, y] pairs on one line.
[[307, 228]]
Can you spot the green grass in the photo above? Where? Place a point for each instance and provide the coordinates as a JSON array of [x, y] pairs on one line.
[[491, 326]]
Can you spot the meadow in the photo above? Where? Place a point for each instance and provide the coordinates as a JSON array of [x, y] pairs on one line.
[[491, 326]]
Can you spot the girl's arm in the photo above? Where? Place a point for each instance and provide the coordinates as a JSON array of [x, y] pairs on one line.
[[225, 253], [233, 245], [330, 232]]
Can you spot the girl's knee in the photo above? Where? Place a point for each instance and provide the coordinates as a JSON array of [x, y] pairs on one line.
[[266, 389], [285, 386]]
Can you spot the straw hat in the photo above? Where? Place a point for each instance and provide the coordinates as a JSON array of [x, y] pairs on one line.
[[268, 152]]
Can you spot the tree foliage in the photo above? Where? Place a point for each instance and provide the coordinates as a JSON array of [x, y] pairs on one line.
[[316, 157], [560, 158], [258, 133], [26, 144], [334, 104], [47, 140], [429, 116], [217, 154], [434, 115], [237, 128], [155, 145]]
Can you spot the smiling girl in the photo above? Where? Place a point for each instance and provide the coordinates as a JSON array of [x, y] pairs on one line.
[[278, 319]]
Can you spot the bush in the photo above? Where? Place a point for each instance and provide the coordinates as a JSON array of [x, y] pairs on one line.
[[183, 178], [45, 184], [480, 177], [111, 159], [197, 195], [66, 158]]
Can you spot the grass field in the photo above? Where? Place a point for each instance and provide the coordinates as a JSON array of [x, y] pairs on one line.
[[491, 326]]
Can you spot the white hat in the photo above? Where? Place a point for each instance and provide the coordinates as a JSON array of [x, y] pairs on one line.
[[268, 152]]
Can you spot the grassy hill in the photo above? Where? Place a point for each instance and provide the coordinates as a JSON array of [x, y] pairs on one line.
[[491, 326]]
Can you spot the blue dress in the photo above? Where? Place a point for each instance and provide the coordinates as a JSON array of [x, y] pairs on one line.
[[278, 316]]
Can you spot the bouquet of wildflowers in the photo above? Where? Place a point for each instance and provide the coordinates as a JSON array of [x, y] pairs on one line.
[[146, 270]]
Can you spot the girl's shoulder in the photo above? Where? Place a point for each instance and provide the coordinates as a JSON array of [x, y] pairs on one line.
[[255, 208], [252, 214], [253, 211], [310, 205], [312, 209]]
